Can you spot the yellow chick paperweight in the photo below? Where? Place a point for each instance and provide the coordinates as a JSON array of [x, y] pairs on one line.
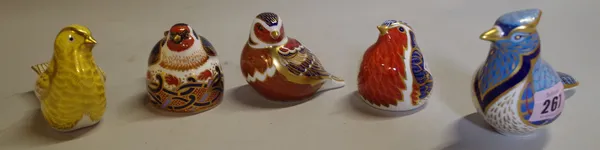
[[70, 86]]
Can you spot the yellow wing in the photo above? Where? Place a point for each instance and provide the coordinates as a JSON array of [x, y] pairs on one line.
[[67, 100]]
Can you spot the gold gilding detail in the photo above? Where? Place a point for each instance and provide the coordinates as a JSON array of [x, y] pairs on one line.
[[177, 39], [383, 30], [275, 34], [568, 86], [491, 35], [90, 40], [283, 70]]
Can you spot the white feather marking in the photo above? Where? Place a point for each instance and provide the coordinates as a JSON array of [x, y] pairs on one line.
[[408, 70], [261, 76]]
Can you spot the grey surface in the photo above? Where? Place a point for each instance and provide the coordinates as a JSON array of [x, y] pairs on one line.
[[338, 31]]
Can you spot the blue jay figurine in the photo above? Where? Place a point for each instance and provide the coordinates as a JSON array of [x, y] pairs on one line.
[[515, 90]]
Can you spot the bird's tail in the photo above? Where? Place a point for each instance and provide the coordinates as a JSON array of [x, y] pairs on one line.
[[41, 83], [40, 68], [332, 82], [569, 82]]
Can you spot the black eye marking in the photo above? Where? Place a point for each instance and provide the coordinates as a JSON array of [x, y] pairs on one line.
[[401, 29], [185, 34], [71, 38], [261, 28]]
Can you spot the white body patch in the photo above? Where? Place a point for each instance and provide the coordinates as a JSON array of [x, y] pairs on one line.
[[503, 114]]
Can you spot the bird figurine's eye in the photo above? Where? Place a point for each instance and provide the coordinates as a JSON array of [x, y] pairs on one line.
[[261, 28], [401, 29], [71, 38], [517, 37]]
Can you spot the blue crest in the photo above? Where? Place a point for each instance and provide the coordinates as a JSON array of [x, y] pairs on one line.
[[511, 20]]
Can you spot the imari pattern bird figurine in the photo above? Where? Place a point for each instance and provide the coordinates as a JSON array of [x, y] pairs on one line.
[[515, 90], [70, 87], [184, 74], [393, 74], [279, 67]]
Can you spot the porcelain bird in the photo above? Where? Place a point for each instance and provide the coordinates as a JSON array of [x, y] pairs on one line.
[[70, 87], [279, 67], [515, 89], [393, 74], [184, 74]]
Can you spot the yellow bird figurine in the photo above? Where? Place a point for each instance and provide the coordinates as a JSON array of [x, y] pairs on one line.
[[70, 87]]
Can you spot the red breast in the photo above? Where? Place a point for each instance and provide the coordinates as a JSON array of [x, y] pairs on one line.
[[382, 71]]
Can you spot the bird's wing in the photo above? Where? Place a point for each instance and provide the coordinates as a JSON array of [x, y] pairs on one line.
[[300, 61], [155, 53], [421, 74], [208, 47], [544, 76]]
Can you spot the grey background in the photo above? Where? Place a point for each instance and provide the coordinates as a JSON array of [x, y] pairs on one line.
[[338, 31]]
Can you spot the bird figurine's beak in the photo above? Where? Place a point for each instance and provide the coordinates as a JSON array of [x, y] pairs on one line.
[[491, 35], [90, 40], [275, 34], [382, 29], [177, 39]]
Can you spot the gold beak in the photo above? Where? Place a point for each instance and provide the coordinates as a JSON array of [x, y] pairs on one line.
[[382, 29], [275, 34], [491, 35], [177, 39], [90, 40]]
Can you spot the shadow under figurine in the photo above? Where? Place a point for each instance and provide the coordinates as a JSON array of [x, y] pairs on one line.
[[280, 68], [393, 74], [515, 90], [184, 74], [70, 87]]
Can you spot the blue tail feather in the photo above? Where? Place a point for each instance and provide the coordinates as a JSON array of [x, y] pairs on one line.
[[568, 80]]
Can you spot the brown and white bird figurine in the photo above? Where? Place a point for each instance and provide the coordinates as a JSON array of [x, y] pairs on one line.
[[184, 74], [280, 68]]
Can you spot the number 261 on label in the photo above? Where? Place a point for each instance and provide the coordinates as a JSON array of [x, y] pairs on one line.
[[548, 103]]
